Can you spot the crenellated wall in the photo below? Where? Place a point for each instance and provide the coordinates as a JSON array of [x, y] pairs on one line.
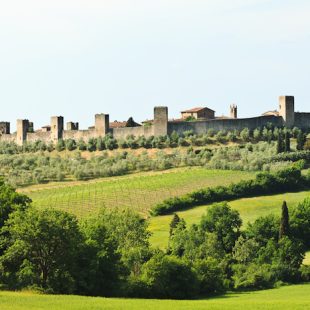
[[160, 126]]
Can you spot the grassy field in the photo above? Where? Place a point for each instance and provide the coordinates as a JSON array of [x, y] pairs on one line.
[[249, 208], [289, 297], [138, 191]]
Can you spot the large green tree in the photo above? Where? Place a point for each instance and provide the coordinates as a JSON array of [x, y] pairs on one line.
[[224, 222], [129, 231], [100, 268], [41, 249], [169, 277]]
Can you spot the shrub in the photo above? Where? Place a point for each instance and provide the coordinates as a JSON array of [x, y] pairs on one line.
[[169, 277], [210, 275]]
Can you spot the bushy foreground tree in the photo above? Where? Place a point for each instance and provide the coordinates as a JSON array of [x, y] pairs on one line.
[[41, 250]]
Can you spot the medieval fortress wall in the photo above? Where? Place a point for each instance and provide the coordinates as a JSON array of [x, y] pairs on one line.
[[161, 125]]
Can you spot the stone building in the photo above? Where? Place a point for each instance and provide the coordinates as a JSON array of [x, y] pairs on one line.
[[198, 113], [159, 126]]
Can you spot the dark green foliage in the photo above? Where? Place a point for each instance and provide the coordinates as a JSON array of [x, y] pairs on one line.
[[263, 229], [100, 145], [224, 222], [11, 201], [92, 145], [211, 276], [81, 145], [174, 223], [70, 144], [294, 156], [100, 267], [60, 146], [300, 222], [253, 276], [284, 224], [169, 277], [288, 259], [287, 140], [41, 250], [129, 231], [301, 140], [280, 144], [264, 183]]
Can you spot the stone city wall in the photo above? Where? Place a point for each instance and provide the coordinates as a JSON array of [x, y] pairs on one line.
[[302, 120], [79, 134], [42, 136], [123, 133], [201, 127]]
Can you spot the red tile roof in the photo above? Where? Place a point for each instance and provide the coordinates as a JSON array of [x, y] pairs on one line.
[[194, 110], [117, 124]]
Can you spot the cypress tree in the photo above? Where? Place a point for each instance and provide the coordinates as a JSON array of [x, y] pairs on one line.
[[280, 144], [174, 223], [284, 225], [301, 140], [287, 145]]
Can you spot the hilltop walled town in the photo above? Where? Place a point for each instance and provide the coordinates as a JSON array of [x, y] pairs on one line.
[[199, 120]]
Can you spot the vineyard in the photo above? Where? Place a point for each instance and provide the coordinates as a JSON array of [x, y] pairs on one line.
[[138, 191]]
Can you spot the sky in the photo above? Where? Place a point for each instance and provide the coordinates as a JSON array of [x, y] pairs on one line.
[[76, 58]]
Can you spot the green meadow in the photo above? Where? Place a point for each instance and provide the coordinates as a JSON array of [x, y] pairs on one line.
[[295, 297], [249, 209]]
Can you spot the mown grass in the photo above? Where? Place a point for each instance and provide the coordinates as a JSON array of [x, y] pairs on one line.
[[289, 297], [137, 191], [249, 208]]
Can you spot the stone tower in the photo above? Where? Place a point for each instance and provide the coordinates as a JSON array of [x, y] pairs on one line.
[[102, 124], [160, 121], [287, 110], [22, 127], [5, 128], [233, 111], [72, 126], [57, 127]]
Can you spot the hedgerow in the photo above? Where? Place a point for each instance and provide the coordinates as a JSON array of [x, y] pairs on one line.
[[282, 181]]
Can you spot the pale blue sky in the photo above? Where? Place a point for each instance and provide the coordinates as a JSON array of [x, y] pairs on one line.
[[76, 58]]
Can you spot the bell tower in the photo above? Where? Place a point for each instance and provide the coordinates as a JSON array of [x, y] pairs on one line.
[[233, 111]]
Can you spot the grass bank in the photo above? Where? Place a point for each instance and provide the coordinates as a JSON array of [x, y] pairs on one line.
[[290, 297]]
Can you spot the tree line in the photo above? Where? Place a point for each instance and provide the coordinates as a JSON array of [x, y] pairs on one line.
[[26, 169]]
